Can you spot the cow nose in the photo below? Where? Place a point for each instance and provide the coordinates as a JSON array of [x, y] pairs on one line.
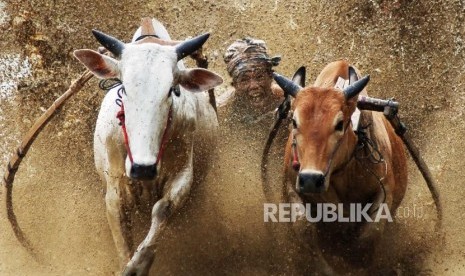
[[143, 172], [311, 182]]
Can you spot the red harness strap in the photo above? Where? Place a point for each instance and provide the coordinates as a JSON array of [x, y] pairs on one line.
[[121, 117], [164, 139], [295, 158]]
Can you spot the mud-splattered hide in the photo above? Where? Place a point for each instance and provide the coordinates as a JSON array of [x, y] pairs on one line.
[[320, 119], [153, 119], [325, 163]]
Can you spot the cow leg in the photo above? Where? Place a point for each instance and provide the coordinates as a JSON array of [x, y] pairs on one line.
[[117, 218], [143, 258], [370, 233], [300, 228]]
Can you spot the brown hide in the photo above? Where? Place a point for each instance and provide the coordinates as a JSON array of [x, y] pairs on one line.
[[316, 109]]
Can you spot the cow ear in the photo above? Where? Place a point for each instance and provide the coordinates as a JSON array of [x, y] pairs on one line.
[[299, 77], [198, 80], [102, 66]]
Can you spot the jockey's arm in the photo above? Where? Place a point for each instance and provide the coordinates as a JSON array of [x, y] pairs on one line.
[[276, 92]]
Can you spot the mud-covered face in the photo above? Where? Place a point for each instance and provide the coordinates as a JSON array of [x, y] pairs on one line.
[[320, 117], [254, 87], [147, 71], [318, 126]]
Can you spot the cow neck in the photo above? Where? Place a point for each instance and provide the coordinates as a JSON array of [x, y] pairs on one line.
[[165, 138]]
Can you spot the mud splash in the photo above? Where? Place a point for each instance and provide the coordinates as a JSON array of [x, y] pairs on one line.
[[413, 50]]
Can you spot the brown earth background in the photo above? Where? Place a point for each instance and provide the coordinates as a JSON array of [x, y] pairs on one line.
[[413, 50]]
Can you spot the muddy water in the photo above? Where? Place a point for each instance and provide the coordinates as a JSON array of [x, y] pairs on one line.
[[414, 51]]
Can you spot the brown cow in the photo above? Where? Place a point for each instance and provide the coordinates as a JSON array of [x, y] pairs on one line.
[[326, 161]]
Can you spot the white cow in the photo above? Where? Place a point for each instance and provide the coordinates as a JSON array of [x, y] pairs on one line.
[[161, 129]]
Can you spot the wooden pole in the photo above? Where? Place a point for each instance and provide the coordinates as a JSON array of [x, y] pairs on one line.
[[23, 148]]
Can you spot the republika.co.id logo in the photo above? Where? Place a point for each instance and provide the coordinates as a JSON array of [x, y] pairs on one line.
[[326, 212]]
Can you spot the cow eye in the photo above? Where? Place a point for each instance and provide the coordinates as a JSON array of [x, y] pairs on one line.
[[294, 123], [339, 126], [174, 90]]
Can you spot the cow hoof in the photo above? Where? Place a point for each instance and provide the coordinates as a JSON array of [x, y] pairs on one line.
[[131, 271], [140, 263]]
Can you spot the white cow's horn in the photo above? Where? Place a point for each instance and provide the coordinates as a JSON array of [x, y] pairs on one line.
[[189, 46], [112, 44]]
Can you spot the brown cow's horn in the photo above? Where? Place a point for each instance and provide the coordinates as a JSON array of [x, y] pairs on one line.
[[288, 86], [189, 46], [112, 44], [299, 76], [353, 89], [352, 75]]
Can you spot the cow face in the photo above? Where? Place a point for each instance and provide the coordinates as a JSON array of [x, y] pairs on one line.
[[148, 71], [320, 120]]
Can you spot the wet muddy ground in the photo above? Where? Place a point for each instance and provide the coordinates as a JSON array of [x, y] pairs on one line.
[[413, 50]]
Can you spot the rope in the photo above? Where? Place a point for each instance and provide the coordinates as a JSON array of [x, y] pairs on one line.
[[374, 156], [280, 114], [425, 172], [108, 84]]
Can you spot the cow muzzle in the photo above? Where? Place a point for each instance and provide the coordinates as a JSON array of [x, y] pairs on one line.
[[143, 172], [311, 182]]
